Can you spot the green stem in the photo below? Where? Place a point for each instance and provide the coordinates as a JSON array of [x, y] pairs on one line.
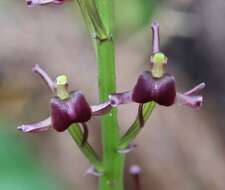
[[135, 128], [98, 15], [113, 161], [86, 148]]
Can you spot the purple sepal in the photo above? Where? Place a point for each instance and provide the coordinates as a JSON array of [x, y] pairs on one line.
[[196, 89], [155, 37], [120, 98], [31, 3], [189, 98], [72, 110], [45, 77], [161, 90], [36, 127], [101, 109]]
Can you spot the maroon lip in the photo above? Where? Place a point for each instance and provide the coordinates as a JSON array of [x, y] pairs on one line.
[[73, 110], [160, 90]]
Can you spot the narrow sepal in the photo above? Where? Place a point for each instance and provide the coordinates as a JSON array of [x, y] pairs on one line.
[[196, 89], [72, 110], [143, 90], [31, 3], [120, 98], [191, 101], [189, 98], [101, 109], [165, 90], [44, 75], [36, 127], [155, 37]]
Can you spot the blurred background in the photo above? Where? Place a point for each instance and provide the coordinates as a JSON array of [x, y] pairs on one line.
[[179, 148]]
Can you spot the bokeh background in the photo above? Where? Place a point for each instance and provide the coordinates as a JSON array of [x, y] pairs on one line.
[[179, 148]]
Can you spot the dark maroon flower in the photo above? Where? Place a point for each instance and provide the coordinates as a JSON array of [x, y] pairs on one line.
[[72, 110], [161, 90], [157, 85], [66, 108]]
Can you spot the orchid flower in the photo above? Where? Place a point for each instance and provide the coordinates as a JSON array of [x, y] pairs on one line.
[[157, 85], [66, 107]]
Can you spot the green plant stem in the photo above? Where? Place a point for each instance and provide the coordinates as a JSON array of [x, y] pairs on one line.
[[99, 18], [135, 128], [86, 148], [98, 15], [113, 161]]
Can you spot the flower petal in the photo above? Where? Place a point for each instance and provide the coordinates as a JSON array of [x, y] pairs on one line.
[[191, 101], [189, 98], [36, 127], [120, 98], [155, 37], [44, 75], [31, 3], [196, 89], [101, 109]]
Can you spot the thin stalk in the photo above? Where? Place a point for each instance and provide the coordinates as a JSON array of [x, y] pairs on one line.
[[85, 148], [135, 128]]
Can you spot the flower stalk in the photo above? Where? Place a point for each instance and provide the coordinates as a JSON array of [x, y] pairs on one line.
[[99, 19], [136, 127], [85, 147]]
